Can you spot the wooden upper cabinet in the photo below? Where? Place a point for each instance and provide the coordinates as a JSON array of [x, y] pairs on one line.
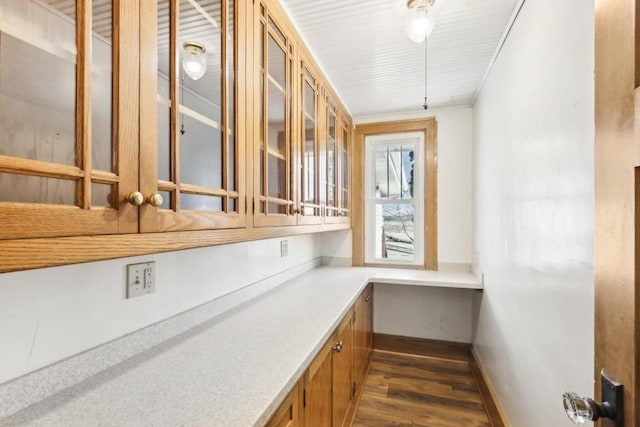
[[68, 117], [274, 112], [309, 163], [191, 144]]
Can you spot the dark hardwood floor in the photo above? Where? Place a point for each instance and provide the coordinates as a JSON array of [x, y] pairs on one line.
[[413, 390]]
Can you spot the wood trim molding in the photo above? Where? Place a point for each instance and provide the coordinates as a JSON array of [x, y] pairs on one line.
[[430, 128], [27, 254], [495, 413], [436, 349]]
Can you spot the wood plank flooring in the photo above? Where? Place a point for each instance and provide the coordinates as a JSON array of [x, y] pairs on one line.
[[410, 390]]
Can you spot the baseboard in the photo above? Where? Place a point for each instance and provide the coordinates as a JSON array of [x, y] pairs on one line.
[[491, 404], [422, 347]]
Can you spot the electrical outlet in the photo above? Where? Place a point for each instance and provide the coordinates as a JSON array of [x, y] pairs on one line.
[[284, 248], [141, 279]]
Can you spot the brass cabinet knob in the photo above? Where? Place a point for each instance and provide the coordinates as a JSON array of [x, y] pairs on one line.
[[135, 198], [155, 200], [338, 347], [368, 298]]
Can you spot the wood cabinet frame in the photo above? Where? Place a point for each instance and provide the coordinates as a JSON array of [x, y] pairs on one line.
[[34, 220], [37, 235]]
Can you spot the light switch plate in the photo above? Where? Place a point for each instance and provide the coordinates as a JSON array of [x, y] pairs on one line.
[[284, 248], [141, 279]]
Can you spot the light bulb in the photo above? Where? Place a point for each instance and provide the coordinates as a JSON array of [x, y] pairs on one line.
[[420, 20], [194, 59]]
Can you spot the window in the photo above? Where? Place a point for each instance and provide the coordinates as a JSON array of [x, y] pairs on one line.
[[394, 183], [393, 205]]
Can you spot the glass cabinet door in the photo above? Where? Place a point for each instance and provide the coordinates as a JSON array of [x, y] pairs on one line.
[[310, 209], [62, 102], [331, 209], [273, 155], [190, 152]]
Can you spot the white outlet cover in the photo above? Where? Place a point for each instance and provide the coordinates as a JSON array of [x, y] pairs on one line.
[[141, 279], [284, 248]]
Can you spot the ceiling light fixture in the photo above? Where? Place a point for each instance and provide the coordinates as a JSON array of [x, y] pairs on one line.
[[420, 20], [194, 60]]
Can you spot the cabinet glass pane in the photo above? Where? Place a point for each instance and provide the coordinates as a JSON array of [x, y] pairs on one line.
[[102, 195], [231, 84], [345, 169], [200, 154], [274, 208], [201, 95], [164, 96], [309, 166], [38, 81], [197, 202], [35, 189], [277, 168], [277, 65], [276, 109], [166, 199], [309, 100], [101, 84]]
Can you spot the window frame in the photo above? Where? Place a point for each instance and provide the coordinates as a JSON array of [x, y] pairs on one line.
[[428, 126], [372, 142]]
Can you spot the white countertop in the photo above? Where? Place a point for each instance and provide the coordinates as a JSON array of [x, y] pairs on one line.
[[233, 370]]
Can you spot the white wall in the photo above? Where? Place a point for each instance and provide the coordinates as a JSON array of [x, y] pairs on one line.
[[443, 314], [534, 195], [49, 314]]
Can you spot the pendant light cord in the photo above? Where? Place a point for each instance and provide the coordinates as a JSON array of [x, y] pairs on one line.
[[426, 70]]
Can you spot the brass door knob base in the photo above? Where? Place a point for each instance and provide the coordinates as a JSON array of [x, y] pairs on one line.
[[135, 198], [155, 200]]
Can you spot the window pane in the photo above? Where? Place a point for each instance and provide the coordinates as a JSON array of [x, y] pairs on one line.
[[277, 64], [394, 232], [393, 177]]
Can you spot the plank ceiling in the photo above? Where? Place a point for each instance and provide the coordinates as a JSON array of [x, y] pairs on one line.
[[376, 69]]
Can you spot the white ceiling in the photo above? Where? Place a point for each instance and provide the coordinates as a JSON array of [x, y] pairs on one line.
[[375, 68]]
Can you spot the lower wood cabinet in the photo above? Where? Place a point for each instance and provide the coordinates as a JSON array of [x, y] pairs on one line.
[[289, 414], [362, 335], [327, 393]]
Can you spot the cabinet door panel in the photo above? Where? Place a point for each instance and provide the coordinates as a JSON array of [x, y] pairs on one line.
[[289, 413], [190, 151], [342, 384], [318, 391], [62, 100]]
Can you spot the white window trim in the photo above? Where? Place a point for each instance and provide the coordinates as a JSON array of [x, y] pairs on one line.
[[371, 142]]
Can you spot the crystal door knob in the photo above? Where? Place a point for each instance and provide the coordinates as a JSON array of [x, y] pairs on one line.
[[155, 200], [583, 409], [136, 198]]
